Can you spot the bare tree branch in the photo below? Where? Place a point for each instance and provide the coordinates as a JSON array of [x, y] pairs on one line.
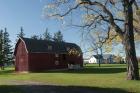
[[105, 10], [119, 19]]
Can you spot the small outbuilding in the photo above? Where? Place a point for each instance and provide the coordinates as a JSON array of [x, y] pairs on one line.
[[95, 59], [41, 55], [105, 59]]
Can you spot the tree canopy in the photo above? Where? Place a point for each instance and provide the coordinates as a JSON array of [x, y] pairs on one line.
[[6, 53], [58, 36], [105, 16], [47, 35], [21, 33]]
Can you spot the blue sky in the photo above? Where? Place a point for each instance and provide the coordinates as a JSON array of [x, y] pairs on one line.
[[28, 14]]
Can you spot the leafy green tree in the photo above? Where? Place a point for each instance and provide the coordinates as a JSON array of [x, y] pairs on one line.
[[97, 14], [58, 36], [47, 35]]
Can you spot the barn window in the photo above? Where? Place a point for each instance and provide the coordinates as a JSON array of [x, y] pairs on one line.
[[56, 55], [49, 47], [56, 62]]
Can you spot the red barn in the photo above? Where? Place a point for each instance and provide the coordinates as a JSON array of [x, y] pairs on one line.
[[40, 55]]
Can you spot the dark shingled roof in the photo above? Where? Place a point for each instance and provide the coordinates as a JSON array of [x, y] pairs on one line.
[[41, 46]]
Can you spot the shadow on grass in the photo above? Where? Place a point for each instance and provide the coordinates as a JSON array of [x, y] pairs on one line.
[[86, 70], [2, 72], [56, 89], [90, 71], [106, 65]]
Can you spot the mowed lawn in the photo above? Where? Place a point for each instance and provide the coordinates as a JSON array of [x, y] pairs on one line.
[[92, 79]]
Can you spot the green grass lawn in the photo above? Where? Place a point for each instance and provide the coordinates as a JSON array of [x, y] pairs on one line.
[[104, 79]]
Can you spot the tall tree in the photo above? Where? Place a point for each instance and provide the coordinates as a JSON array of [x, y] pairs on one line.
[[103, 14], [21, 33], [7, 48], [35, 37], [1, 50], [58, 36], [47, 35]]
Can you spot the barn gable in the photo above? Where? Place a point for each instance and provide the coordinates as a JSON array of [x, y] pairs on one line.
[[16, 46], [21, 56]]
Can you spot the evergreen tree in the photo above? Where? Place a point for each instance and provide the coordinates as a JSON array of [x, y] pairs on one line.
[[58, 36], [40, 37], [47, 35], [21, 33], [7, 49], [35, 37], [1, 50], [6, 56]]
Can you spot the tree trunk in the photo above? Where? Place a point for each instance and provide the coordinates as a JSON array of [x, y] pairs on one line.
[[131, 60], [98, 59]]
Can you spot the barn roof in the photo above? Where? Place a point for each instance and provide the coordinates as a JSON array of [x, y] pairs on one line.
[[42, 46]]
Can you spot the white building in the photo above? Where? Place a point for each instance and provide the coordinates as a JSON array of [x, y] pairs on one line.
[[95, 59], [92, 60], [106, 58]]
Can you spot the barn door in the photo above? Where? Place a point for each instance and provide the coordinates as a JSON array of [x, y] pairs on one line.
[[64, 57]]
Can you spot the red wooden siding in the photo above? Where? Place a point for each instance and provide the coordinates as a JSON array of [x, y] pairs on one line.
[[40, 61], [44, 61], [21, 58]]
